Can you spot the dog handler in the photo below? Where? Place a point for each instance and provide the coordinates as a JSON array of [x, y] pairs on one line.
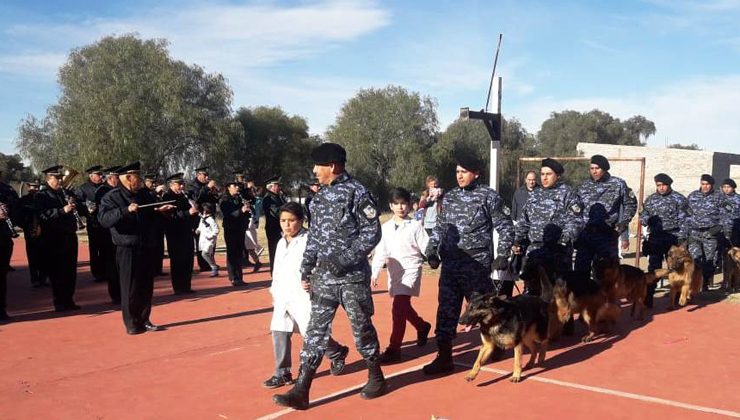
[[462, 240], [344, 229], [663, 213]]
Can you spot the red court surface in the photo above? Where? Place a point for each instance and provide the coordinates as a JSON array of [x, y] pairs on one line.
[[217, 349]]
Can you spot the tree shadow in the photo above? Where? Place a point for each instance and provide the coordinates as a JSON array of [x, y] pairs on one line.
[[217, 318]]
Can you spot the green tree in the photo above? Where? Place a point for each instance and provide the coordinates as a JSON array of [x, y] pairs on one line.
[[272, 143], [471, 136], [560, 134], [692, 146], [124, 99], [387, 134]]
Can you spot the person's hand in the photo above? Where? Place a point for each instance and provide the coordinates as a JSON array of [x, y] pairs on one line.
[[306, 285], [133, 207], [159, 189], [374, 281], [165, 208], [3, 211], [68, 208], [245, 208], [625, 245], [193, 211], [433, 260]]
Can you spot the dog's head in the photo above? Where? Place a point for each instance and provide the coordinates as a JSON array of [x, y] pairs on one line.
[[561, 299], [734, 253], [482, 309], [677, 257]]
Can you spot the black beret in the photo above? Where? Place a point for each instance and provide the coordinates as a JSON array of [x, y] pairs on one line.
[[663, 179], [273, 180], [708, 178], [113, 170], [600, 161], [328, 153], [97, 169], [33, 183], [554, 165], [469, 161], [175, 178], [151, 177], [53, 170], [203, 169], [131, 168], [730, 182]]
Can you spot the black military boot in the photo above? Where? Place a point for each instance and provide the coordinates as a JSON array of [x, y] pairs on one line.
[[297, 397], [376, 384], [443, 362]]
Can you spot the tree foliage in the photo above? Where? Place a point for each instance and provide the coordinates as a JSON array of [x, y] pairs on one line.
[[124, 99], [692, 146], [560, 134], [272, 143], [387, 134]]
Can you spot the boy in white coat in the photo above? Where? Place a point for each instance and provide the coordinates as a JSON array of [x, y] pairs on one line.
[[291, 300], [401, 250], [208, 231]]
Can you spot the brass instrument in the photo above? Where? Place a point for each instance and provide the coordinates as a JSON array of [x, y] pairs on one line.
[[69, 176], [11, 226]]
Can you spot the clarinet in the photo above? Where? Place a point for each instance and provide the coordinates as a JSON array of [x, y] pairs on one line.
[[11, 226], [71, 200]]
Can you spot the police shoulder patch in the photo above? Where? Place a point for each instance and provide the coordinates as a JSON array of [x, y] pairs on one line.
[[575, 208], [506, 210], [630, 193], [368, 207], [728, 206]]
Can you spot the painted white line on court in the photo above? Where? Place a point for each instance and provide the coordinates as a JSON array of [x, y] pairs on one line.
[[616, 393], [340, 392]]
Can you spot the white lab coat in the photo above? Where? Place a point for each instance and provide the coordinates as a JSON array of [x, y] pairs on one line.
[[401, 249], [291, 304], [208, 229]]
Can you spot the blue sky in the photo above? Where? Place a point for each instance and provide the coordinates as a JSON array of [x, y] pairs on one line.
[[675, 62]]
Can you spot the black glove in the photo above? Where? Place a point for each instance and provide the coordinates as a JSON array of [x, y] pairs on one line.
[[500, 263], [433, 259], [335, 266]]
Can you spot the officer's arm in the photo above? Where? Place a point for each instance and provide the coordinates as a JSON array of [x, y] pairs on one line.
[[110, 213], [503, 225], [629, 205], [47, 208], [645, 213], [573, 217], [368, 224], [521, 230], [687, 221], [310, 255]]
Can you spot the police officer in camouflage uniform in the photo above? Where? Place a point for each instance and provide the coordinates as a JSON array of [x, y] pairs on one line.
[[732, 230], [708, 216], [462, 241], [663, 213], [344, 229], [608, 206], [550, 220]]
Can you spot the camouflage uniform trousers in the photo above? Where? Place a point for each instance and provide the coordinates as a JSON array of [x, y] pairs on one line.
[[703, 249], [459, 279], [357, 301], [601, 243]]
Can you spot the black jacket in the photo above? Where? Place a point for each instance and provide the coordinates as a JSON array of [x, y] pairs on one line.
[[50, 210], [129, 229]]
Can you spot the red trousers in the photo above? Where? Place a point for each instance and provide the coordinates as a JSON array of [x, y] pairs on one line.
[[402, 312]]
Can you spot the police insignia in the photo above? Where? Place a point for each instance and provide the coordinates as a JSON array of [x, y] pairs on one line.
[[631, 193], [576, 208], [506, 210], [728, 206], [370, 211]]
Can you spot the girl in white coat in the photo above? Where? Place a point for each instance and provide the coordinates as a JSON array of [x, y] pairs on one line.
[[291, 300], [208, 231], [401, 250]]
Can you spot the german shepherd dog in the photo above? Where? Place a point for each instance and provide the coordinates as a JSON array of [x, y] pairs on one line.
[[509, 323], [622, 281], [684, 277], [576, 293], [732, 270]]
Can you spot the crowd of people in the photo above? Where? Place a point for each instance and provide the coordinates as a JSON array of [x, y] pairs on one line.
[[330, 251]]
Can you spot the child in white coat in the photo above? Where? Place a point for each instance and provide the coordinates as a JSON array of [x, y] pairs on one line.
[[401, 250], [208, 231], [291, 300]]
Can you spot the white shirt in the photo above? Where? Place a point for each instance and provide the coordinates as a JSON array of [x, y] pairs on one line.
[[290, 302], [401, 248]]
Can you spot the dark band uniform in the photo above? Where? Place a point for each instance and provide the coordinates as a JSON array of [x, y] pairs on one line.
[[271, 204], [135, 241], [179, 233], [85, 195], [235, 225], [59, 242], [200, 193], [9, 197], [27, 220], [108, 249]]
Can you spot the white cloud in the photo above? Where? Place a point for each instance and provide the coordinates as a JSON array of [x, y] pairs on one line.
[[227, 39], [701, 110], [37, 65]]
